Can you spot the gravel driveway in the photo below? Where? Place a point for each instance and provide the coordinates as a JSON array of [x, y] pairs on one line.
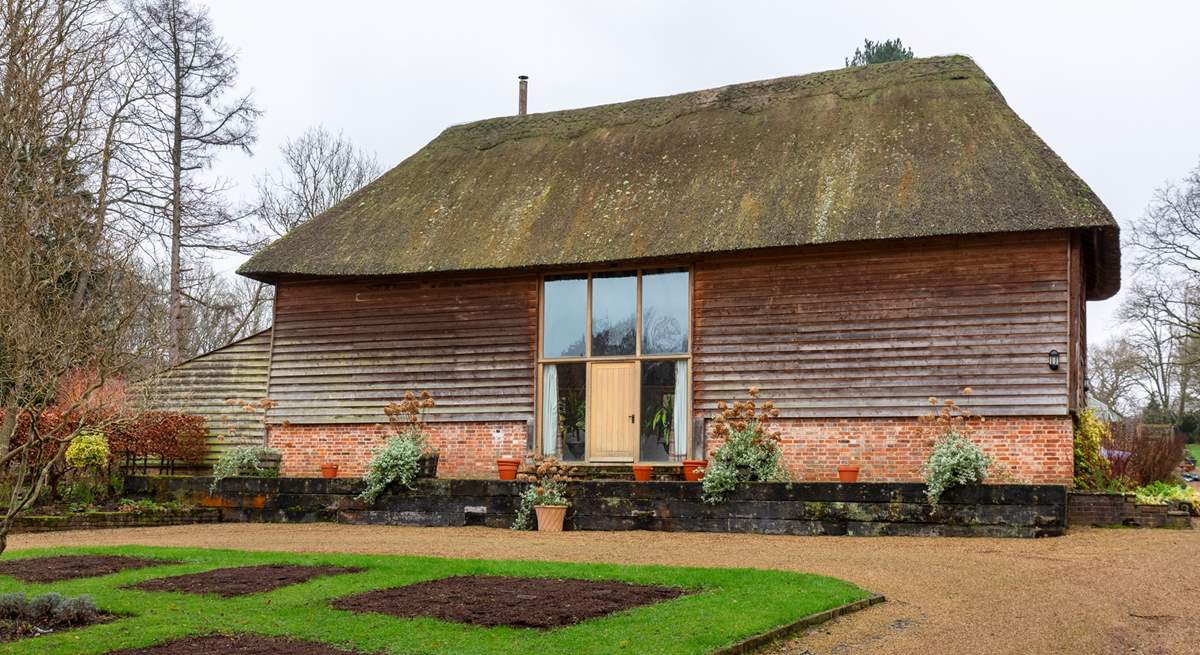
[[1093, 591]]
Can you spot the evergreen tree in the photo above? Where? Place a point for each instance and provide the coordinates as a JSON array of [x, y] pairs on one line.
[[874, 52]]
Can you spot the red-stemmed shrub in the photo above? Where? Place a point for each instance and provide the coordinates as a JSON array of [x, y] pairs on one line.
[[1143, 454]]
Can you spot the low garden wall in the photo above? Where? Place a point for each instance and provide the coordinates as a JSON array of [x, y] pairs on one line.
[[1101, 509], [768, 508], [103, 520]]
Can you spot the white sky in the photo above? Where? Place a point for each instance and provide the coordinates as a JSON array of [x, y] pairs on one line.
[[1113, 87]]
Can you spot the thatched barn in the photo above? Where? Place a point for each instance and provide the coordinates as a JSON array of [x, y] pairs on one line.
[[590, 283]]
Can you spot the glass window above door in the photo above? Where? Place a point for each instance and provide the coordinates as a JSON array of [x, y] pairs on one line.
[[616, 314], [664, 312], [564, 316]]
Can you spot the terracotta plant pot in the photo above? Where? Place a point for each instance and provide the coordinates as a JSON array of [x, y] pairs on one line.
[[847, 473], [641, 472], [329, 470], [550, 517], [693, 469], [508, 468]]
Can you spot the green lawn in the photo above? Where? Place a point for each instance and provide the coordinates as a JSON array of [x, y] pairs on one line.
[[730, 604], [1194, 450]]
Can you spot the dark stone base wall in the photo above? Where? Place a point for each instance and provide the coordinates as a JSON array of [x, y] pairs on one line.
[[1115, 509], [774, 508], [104, 520]]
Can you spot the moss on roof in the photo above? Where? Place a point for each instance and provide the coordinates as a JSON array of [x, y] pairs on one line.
[[918, 148]]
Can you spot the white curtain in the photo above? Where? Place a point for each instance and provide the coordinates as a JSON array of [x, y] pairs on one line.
[[680, 417], [550, 410]]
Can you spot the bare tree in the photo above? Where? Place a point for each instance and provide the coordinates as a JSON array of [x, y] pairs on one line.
[[1166, 245], [69, 292], [1114, 375], [222, 310], [1162, 310], [187, 115], [320, 170]]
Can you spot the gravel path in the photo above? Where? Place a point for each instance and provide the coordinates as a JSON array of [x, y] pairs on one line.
[[1094, 591]]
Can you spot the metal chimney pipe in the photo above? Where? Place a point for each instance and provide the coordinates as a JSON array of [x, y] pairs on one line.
[[523, 95]]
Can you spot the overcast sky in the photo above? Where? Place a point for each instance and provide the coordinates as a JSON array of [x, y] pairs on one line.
[[1113, 87]]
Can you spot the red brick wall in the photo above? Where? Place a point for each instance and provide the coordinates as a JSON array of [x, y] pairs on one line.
[[467, 449], [1030, 449]]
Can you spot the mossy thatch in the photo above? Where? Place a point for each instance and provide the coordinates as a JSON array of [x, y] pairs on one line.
[[919, 148]]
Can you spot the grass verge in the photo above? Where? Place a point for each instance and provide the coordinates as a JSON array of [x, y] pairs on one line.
[[727, 606]]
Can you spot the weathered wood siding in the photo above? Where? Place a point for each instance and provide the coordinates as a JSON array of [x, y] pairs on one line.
[[344, 348], [1078, 354], [203, 386], [876, 329]]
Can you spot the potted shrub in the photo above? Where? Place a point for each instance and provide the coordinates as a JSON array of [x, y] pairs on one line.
[[693, 469], [549, 500], [405, 456], [955, 460], [329, 470], [847, 473], [749, 449], [246, 461], [546, 496], [642, 472], [507, 467], [405, 419]]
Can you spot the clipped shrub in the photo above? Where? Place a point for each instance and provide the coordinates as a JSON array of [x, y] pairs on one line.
[[168, 436], [955, 461], [749, 451], [77, 611], [88, 450], [13, 606], [45, 612], [244, 460], [44, 609]]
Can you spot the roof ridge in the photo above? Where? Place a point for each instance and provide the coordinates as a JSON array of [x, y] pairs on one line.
[[746, 97]]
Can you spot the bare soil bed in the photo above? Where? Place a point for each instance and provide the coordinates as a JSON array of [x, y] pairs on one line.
[[41, 570], [515, 602], [241, 580], [235, 645]]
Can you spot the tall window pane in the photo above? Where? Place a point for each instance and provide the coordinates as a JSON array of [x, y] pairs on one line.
[[664, 312], [664, 389], [614, 314], [564, 323], [564, 411]]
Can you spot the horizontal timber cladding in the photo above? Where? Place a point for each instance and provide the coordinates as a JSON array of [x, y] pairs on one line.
[[204, 386], [344, 348], [876, 329]]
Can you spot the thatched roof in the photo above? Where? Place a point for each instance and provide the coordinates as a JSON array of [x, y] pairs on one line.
[[907, 149]]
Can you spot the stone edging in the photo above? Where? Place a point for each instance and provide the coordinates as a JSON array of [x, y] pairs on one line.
[[751, 644]]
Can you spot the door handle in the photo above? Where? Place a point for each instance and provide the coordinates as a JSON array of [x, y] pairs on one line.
[[631, 419]]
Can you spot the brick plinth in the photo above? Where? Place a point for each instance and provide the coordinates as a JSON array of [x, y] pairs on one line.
[[467, 449], [1034, 450]]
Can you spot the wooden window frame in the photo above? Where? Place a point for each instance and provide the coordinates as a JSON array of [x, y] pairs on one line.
[[638, 357]]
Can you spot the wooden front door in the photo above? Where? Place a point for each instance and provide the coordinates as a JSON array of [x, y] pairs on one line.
[[612, 417]]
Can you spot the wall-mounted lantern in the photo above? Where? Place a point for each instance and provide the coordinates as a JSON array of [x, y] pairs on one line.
[[1053, 360]]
